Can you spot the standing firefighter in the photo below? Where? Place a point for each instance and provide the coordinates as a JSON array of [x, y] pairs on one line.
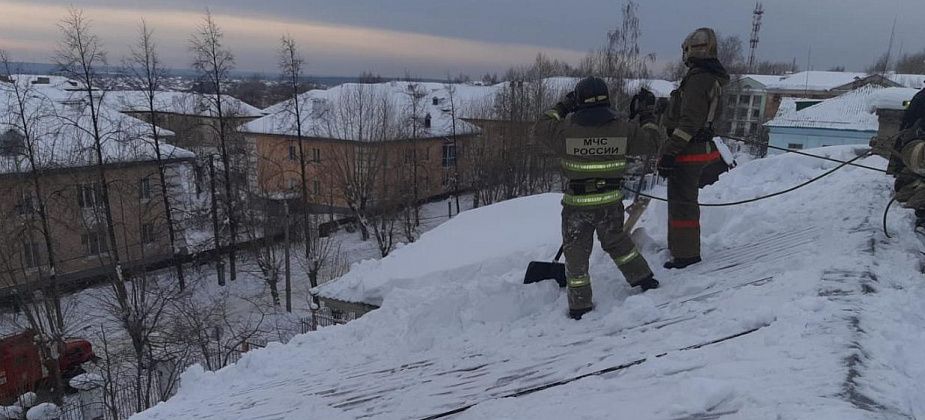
[[693, 108], [908, 160], [592, 142]]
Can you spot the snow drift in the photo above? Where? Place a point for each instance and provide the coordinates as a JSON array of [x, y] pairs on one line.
[[802, 309]]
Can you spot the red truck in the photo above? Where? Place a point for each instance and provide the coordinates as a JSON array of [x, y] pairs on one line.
[[21, 368]]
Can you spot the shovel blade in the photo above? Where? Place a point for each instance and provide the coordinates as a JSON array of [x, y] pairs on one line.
[[538, 271]]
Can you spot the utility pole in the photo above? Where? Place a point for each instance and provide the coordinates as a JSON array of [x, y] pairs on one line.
[[753, 41]]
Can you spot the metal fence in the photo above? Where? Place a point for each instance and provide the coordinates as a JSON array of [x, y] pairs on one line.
[[321, 320]]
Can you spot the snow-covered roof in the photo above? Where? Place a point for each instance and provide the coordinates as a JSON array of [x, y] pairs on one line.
[[798, 299], [47, 84], [355, 112], [764, 79], [185, 103], [60, 125], [814, 80], [661, 88], [855, 110], [916, 81]]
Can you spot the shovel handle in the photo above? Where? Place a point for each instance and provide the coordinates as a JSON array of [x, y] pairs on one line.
[[559, 253]]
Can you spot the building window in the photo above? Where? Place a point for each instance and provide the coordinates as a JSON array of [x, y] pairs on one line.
[[293, 152], [316, 155], [26, 204], [316, 187], [293, 184], [94, 243], [449, 155], [90, 195], [364, 159], [12, 143], [30, 254], [144, 188], [148, 235], [795, 146]]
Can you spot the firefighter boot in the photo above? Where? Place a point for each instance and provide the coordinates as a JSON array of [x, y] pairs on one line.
[[648, 283], [677, 263], [579, 301]]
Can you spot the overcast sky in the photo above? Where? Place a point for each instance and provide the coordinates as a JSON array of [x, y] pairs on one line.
[[432, 38]]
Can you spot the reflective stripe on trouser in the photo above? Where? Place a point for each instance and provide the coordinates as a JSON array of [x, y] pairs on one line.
[[578, 227], [683, 218]]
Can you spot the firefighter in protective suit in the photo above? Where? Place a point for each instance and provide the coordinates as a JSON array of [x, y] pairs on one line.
[[692, 109], [908, 160], [592, 142]]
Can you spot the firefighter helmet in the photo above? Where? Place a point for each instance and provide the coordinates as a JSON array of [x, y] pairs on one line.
[[592, 91], [699, 44]]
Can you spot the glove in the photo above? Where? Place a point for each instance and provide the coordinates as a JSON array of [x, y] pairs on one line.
[[642, 103], [666, 166], [567, 105]]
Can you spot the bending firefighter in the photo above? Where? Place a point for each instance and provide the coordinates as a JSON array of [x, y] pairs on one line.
[[592, 142], [693, 108]]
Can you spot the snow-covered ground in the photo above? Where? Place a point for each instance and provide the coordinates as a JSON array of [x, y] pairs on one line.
[[802, 309], [243, 306]]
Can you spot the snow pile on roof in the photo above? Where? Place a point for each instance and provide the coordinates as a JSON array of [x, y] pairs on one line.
[[855, 110], [802, 309], [366, 112], [61, 128], [814, 80], [184, 103], [915, 81]]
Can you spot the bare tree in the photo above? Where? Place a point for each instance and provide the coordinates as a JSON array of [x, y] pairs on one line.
[[146, 74], [729, 53], [674, 70], [361, 118], [214, 62], [451, 99], [291, 64], [43, 309], [415, 105], [911, 63], [79, 55]]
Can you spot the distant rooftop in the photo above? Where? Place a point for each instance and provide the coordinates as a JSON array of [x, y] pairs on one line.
[[855, 110]]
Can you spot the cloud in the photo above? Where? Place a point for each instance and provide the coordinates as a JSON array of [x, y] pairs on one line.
[[29, 29]]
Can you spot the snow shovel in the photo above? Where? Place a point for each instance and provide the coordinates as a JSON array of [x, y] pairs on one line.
[[538, 271]]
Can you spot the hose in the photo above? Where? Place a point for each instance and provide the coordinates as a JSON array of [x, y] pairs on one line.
[[885, 212], [763, 197]]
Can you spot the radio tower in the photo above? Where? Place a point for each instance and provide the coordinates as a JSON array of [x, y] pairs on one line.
[[753, 42]]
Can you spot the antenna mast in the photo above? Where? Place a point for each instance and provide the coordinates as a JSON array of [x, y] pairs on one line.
[[756, 28]]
